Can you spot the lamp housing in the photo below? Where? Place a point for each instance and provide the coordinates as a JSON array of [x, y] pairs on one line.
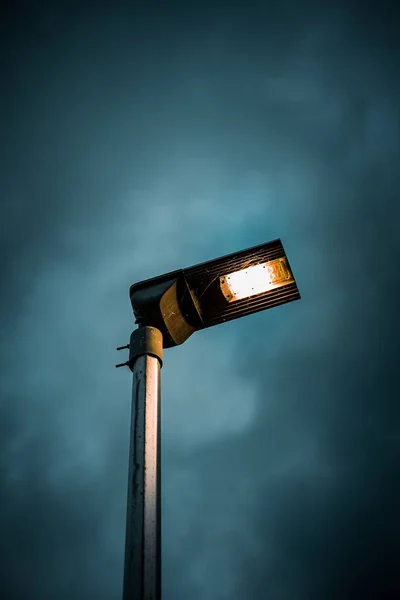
[[226, 288]]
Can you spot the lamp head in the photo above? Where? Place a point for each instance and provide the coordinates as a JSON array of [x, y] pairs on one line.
[[183, 301]]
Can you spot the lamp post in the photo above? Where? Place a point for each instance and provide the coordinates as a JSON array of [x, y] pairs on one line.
[[142, 573], [169, 309]]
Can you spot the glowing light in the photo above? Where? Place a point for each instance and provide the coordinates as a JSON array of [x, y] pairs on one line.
[[257, 279]]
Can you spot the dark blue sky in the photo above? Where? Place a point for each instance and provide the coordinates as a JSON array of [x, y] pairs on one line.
[[139, 138]]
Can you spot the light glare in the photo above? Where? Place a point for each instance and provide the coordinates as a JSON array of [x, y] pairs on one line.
[[255, 280]]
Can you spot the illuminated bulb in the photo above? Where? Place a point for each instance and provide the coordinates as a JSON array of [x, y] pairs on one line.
[[256, 279]]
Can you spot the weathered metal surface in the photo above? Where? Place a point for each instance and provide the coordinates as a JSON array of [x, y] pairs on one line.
[[142, 577]]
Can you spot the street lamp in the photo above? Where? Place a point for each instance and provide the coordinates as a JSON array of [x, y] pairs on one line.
[[168, 310]]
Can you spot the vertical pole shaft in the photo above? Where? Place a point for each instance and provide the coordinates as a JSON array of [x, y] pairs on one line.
[[142, 571]]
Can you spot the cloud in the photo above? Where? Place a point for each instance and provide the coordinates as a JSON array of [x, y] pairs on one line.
[[135, 147]]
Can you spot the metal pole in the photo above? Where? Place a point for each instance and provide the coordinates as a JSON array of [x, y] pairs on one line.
[[142, 569]]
